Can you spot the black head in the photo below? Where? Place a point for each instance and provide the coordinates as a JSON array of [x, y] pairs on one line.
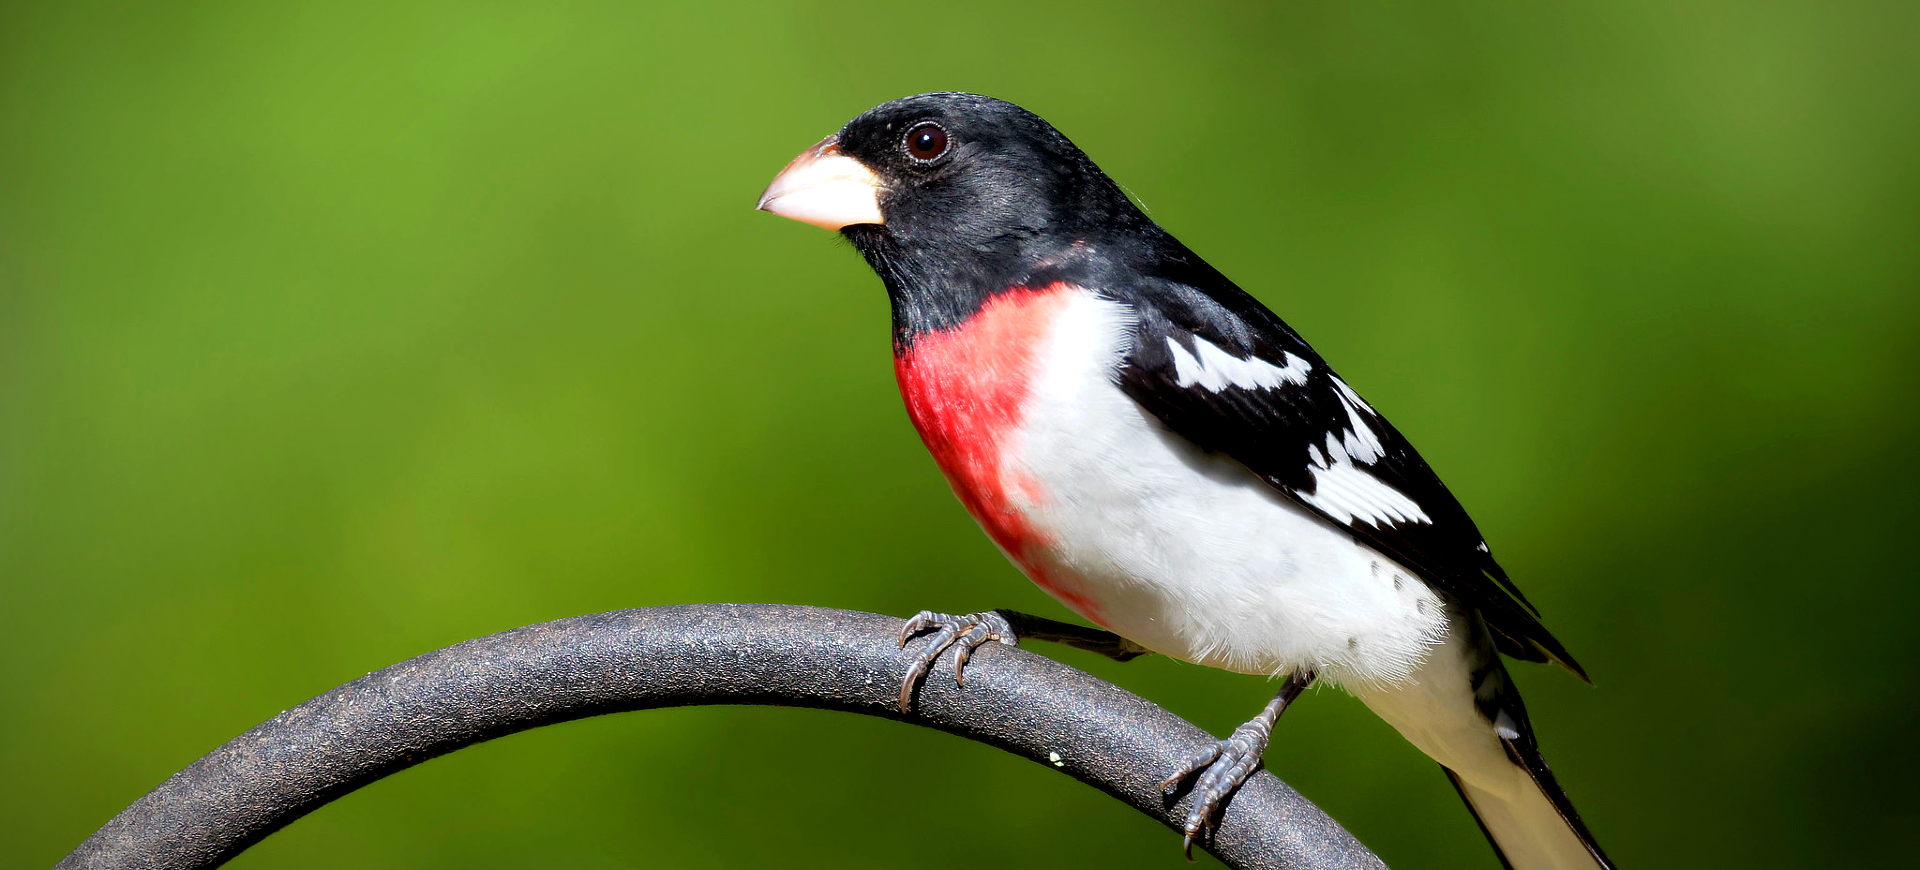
[[955, 197], [971, 171]]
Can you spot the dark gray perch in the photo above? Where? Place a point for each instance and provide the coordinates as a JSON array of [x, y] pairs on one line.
[[677, 656]]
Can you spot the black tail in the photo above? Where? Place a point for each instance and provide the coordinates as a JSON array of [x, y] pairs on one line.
[[1507, 824]]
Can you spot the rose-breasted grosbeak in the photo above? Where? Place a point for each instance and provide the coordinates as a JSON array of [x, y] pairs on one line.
[[1169, 459]]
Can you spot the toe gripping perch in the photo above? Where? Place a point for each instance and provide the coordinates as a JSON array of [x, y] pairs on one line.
[[1227, 763], [974, 630]]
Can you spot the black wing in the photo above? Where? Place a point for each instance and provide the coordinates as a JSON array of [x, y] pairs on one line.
[[1227, 374]]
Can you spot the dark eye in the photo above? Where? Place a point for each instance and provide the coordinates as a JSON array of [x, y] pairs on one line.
[[926, 141]]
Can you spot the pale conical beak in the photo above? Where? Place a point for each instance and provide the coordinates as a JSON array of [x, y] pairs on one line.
[[826, 188]]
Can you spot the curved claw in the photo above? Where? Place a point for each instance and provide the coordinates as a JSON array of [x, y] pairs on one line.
[[971, 632], [920, 622], [1193, 764], [1227, 763], [1222, 766], [972, 640], [924, 661]]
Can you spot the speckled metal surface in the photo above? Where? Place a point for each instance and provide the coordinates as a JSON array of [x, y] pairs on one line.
[[683, 655]]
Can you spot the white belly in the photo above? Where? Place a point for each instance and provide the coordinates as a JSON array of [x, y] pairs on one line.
[[1188, 553]]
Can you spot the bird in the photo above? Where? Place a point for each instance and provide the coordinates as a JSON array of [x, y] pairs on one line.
[[1166, 457]]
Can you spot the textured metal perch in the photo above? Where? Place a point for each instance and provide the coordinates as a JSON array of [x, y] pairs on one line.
[[678, 656]]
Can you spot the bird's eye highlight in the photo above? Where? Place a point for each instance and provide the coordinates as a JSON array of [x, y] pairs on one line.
[[926, 142]]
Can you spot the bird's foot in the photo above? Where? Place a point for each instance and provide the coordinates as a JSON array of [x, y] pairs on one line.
[[969, 633], [1225, 764]]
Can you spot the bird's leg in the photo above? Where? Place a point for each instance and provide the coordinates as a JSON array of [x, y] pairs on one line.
[[1229, 762], [1096, 640], [974, 630]]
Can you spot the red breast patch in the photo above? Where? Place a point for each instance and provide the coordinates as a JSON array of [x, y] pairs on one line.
[[966, 391]]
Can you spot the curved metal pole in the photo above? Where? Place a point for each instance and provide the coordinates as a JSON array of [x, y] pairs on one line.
[[557, 671]]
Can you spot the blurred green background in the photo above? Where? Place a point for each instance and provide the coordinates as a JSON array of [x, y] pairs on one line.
[[331, 334]]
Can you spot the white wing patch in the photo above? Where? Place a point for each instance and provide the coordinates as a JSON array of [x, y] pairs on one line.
[[1215, 369], [1349, 493], [1361, 442], [1342, 488], [1352, 398]]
